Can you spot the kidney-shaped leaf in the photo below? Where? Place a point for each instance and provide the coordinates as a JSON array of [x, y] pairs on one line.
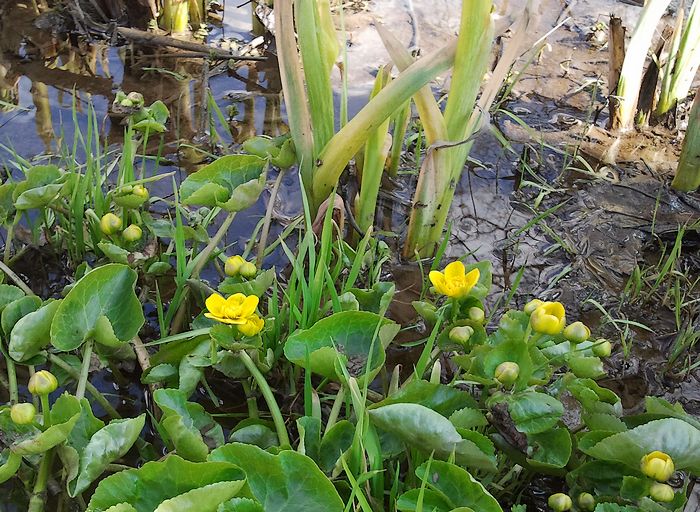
[[203, 499], [102, 306], [429, 431], [457, 486], [52, 436], [289, 482], [31, 333], [349, 335], [675, 437], [232, 182], [533, 412], [153, 483], [104, 447]]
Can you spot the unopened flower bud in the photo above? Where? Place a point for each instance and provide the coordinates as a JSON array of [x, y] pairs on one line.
[[22, 414], [110, 224], [233, 265], [42, 383], [461, 334], [507, 373], [132, 233], [248, 270], [560, 502], [602, 348], [141, 191], [476, 315], [661, 492], [531, 306], [657, 465], [577, 332], [586, 502]]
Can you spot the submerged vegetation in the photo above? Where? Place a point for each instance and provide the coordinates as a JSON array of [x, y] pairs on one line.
[[293, 369]]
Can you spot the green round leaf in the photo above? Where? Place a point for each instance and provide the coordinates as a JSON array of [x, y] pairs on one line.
[[47, 439], [203, 499], [102, 306], [147, 487], [349, 335], [232, 182], [31, 333], [675, 437], [288, 482]]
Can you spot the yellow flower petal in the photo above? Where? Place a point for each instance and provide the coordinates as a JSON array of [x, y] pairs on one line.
[[438, 281], [249, 305], [454, 271], [471, 279], [253, 326], [215, 304]]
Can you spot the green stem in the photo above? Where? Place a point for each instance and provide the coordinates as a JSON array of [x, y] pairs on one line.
[[10, 235], [268, 219], [15, 278], [38, 499], [84, 370], [250, 400], [11, 376], [99, 397], [335, 410], [203, 257], [45, 411], [269, 398]]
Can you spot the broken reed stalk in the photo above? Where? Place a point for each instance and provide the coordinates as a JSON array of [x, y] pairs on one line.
[[616, 47], [688, 171]]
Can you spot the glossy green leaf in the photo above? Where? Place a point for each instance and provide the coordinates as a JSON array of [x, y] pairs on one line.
[[675, 437], [442, 399], [433, 501], [232, 182], [191, 429], [240, 505], [550, 449], [655, 405], [41, 186], [52, 436], [257, 286], [335, 443], [287, 482], [468, 418], [203, 499], [31, 333], [586, 367], [114, 253], [309, 436], [254, 431], [15, 310], [429, 431], [377, 299], [9, 293], [9, 464], [122, 507], [105, 446], [102, 305], [457, 486], [147, 487], [349, 335], [533, 412], [67, 406]]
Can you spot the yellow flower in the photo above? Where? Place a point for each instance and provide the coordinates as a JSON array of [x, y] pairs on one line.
[[657, 465], [548, 318], [531, 306], [454, 282], [235, 310], [254, 324]]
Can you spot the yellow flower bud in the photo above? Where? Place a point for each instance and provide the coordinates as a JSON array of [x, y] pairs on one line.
[[560, 502], [586, 502], [476, 315], [42, 383], [577, 332], [602, 348], [22, 414], [252, 326], [248, 270], [461, 334], [233, 265], [657, 465], [141, 191], [531, 306], [661, 492], [132, 233], [110, 224], [507, 373], [548, 318]]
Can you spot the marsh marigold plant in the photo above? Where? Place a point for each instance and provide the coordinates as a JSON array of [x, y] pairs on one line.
[[454, 281]]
